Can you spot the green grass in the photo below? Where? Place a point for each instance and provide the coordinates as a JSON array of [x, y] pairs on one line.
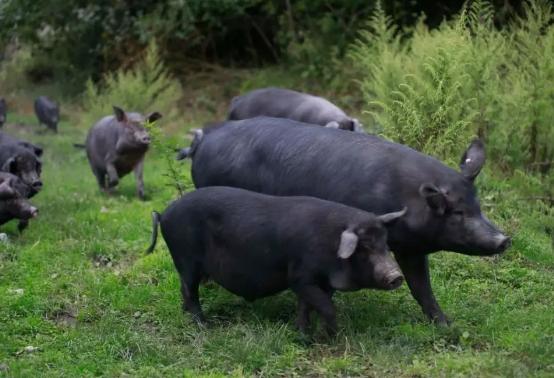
[[94, 304]]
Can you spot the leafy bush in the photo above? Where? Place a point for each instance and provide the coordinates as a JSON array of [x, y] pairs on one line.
[[12, 71], [144, 88], [90, 38], [438, 88]]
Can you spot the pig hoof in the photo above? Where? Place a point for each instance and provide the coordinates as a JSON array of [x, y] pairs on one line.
[[305, 339], [22, 226], [113, 183], [331, 332], [441, 321], [200, 321]]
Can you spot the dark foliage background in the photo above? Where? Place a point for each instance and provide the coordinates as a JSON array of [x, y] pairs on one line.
[[88, 39]]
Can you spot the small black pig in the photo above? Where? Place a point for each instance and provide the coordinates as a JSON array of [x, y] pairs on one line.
[[256, 245], [47, 112], [13, 201], [23, 162]]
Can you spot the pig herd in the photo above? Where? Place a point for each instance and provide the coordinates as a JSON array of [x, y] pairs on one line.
[[291, 194]]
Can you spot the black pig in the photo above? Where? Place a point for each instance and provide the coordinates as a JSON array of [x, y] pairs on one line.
[[276, 156], [257, 245], [23, 162], [47, 112], [13, 201], [6, 139]]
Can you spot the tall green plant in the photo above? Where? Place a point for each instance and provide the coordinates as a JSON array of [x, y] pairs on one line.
[[145, 87], [437, 89]]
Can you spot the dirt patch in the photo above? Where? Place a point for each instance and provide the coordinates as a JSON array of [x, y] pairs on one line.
[[101, 261], [66, 318]]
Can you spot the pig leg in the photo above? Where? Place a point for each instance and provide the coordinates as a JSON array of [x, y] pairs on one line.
[[321, 301], [303, 317], [22, 225], [190, 281], [139, 169], [416, 270], [113, 178], [101, 179]]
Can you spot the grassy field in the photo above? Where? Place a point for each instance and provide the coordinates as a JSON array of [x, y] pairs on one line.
[[78, 289]]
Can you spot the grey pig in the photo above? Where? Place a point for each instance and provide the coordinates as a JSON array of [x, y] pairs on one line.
[[116, 145], [298, 106]]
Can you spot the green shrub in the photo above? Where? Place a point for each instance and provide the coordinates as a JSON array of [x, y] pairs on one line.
[[144, 88], [437, 89], [12, 71]]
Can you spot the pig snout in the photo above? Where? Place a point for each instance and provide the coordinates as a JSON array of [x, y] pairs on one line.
[[37, 185], [387, 273], [503, 242], [393, 280], [145, 139], [34, 212], [486, 238]]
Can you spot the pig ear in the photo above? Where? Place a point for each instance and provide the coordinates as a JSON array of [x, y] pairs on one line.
[[348, 244], [391, 217], [10, 165], [333, 125], [473, 160], [6, 192], [120, 114], [36, 149], [435, 197], [153, 117]]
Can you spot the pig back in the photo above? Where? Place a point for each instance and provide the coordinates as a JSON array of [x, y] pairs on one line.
[[102, 140], [247, 241]]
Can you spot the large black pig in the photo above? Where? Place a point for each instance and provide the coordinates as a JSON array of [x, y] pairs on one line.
[[286, 103], [257, 245], [362, 171]]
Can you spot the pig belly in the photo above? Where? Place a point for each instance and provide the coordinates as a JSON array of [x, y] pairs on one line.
[[247, 278], [126, 164]]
